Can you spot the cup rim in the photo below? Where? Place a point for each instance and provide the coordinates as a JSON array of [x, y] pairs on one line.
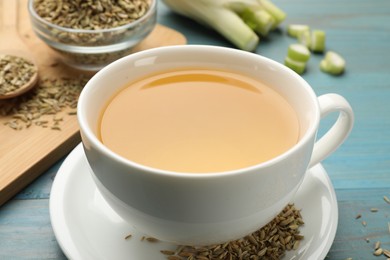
[[94, 140]]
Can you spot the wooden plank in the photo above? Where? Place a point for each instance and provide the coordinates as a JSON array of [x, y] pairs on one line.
[[25, 154], [353, 239], [25, 229], [40, 188]]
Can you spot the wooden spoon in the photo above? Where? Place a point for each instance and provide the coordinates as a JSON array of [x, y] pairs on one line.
[[11, 44]]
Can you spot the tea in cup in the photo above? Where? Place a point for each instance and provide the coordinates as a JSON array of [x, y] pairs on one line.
[[201, 145], [198, 120]]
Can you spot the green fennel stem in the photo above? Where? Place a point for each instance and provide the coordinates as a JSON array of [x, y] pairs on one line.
[[225, 17]]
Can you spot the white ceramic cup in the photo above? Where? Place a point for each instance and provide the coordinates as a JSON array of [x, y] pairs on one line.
[[198, 209]]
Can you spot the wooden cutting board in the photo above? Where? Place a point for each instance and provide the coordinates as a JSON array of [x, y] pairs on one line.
[[27, 153]]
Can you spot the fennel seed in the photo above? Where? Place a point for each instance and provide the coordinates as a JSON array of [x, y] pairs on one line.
[[173, 257], [167, 252], [386, 252], [151, 239], [378, 252], [377, 245], [388, 226]]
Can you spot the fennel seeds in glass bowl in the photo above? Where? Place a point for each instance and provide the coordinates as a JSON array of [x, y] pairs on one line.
[[91, 34]]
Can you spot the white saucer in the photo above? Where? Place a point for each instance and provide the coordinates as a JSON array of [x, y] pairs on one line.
[[87, 228]]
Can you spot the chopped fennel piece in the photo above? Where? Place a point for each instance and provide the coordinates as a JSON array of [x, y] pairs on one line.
[[258, 19], [273, 10], [304, 38], [317, 43], [294, 30], [333, 63], [298, 52], [216, 15], [297, 66], [224, 17]]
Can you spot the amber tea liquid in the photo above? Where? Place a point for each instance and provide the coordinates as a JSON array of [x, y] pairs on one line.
[[198, 121]]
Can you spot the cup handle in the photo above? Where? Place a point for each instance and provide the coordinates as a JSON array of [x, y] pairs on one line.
[[340, 130]]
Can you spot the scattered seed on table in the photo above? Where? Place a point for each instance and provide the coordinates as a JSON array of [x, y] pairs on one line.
[[377, 245], [378, 252]]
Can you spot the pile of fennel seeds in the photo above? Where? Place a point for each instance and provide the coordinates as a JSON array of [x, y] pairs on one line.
[[91, 15], [42, 105], [270, 242]]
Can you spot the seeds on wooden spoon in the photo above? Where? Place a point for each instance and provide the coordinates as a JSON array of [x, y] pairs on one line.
[[15, 73]]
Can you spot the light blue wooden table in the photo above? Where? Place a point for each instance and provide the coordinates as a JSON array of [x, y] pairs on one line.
[[359, 170]]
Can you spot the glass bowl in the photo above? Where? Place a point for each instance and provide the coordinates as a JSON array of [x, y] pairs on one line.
[[91, 50]]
